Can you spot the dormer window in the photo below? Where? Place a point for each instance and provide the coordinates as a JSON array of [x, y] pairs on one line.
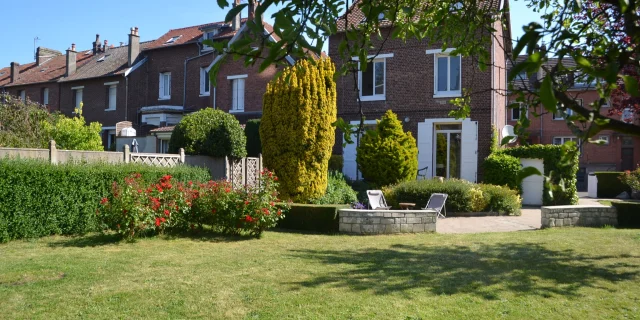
[[208, 35], [173, 39]]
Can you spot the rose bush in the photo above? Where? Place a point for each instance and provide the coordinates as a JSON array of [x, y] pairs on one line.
[[135, 208]]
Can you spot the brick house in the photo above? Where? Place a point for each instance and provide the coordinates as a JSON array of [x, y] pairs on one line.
[[620, 151], [416, 82]]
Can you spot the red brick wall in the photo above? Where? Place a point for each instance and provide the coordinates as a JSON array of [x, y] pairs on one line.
[[34, 92], [95, 100], [499, 79]]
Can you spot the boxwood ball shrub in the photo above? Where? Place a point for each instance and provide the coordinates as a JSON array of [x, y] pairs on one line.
[[40, 199], [610, 185], [252, 132], [388, 155], [297, 137], [338, 191], [502, 169], [209, 132]]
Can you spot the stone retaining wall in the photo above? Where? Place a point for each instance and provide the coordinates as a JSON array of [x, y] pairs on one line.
[[387, 221], [581, 216]]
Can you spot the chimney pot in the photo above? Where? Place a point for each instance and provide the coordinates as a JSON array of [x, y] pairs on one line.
[[73, 47], [71, 61], [134, 46]]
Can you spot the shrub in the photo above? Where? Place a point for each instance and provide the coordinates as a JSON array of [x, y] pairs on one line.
[[39, 199], [336, 163], [22, 123], [311, 217], [252, 132], [610, 185], [463, 196], [297, 137], [74, 133], [209, 132], [628, 214], [632, 180], [338, 191], [501, 199], [388, 155], [502, 170], [554, 166]]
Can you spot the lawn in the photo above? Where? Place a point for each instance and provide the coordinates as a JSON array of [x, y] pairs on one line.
[[558, 273]]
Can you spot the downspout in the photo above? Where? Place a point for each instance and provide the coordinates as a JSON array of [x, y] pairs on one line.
[[184, 88], [214, 98], [126, 97]]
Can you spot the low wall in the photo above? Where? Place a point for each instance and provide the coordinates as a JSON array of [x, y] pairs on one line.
[[578, 216], [386, 221]]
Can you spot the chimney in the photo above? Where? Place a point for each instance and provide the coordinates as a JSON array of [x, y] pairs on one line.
[[96, 44], [71, 60], [237, 20], [134, 45], [252, 9], [14, 71], [42, 54], [106, 46]]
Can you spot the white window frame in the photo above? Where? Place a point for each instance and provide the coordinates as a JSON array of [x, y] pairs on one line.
[[206, 37], [564, 139], [234, 100], [111, 101], [204, 90], [438, 53], [519, 108], [604, 138], [45, 96], [23, 95], [161, 87], [373, 59], [78, 96]]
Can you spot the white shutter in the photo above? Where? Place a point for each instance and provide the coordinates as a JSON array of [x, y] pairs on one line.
[[112, 97], [45, 98], [350, 167], [161, 93], [234, 94], [240, 94], [168, 85], [425, 147], [469, 146]]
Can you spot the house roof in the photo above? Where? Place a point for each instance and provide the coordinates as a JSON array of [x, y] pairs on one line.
[[103, 64], [191, 34], [163, 129], [520, 83], [48, 71]]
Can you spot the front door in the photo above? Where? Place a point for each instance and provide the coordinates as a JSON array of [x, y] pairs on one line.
[[448, 150], [627, 159]]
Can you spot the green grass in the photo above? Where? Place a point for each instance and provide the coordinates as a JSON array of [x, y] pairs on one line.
[[558, 273], [605, 202]]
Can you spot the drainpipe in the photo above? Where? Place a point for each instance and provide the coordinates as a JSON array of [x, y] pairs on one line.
[[184, 88], [214, 98], [126, 97]]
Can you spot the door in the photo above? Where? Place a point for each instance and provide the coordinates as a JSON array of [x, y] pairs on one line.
[[627, 159], [457, 144], [350, 166], [532, 185], [448, 150]]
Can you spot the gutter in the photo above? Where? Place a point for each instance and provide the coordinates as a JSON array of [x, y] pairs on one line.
[[184, 88]]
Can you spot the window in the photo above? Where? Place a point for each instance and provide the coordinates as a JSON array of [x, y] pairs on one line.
[[604, 140], [205, 87], [237, 92], [515, 111], [173, 39], [373, 80], [164, 146], [165, 86], [112, 93], [45, 96], [208, 35], [111, 139], [560, 114], [522, 75], [23, 95], [77, 98], [447, 74], [563, 140]]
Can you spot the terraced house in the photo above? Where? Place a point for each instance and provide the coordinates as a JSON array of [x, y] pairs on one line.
[[417, 82]]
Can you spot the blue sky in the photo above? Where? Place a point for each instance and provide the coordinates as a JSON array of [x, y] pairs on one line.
[[59, 23]]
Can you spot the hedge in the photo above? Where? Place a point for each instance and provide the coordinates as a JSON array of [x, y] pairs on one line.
[[628, 214], [460, 197], [252, 131], [311, 217], [40, 199], [502, 169], [338, 191], [552, 157], [609, 184]]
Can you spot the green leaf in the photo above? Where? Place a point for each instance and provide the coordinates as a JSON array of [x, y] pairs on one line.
[[547, 97], [631, 85], [223, 4], [582, 61], [527, 172], [234, 11]]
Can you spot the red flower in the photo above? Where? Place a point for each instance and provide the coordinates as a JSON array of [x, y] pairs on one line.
[[213, 211], [163, 219], [275, 179], [246, 202], [157, 222], [159, 188], [104, 200], [227, 190], [272, 204], [248, 219], [166, 213], [279, 212], [190, 183]]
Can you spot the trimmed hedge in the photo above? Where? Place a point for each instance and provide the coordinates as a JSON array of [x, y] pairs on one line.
[[502, 169], [552, 157], [338, 191], [460, 195], [609, 184], [40, 199], [312, 217], [628, 214], [252, 131]]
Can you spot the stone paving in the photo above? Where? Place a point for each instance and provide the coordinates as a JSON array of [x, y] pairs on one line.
[[529, 220]]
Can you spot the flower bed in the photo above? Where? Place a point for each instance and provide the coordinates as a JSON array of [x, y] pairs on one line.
[[135, 208]]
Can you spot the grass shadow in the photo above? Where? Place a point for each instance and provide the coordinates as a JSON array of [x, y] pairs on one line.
[[485, 271], [92, 240]]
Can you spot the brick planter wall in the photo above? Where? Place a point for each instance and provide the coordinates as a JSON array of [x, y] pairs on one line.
[[580, 216], [386, 221]]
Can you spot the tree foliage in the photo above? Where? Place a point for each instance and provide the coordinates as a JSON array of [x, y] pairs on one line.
[[297, 137], [21, 123], [388, 155], [209, 132]]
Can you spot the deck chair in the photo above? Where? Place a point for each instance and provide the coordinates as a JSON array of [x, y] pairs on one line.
[[376, 200], [436, 203]]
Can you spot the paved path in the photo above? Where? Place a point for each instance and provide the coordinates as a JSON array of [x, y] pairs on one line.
[[529, 220]]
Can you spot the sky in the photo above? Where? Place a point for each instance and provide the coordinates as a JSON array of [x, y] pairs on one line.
[[58, 24]]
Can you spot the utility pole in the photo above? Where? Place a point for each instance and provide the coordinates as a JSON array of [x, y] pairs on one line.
[[34, 47]]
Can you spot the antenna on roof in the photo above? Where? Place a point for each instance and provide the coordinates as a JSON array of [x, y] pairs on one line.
[[34, 47]]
